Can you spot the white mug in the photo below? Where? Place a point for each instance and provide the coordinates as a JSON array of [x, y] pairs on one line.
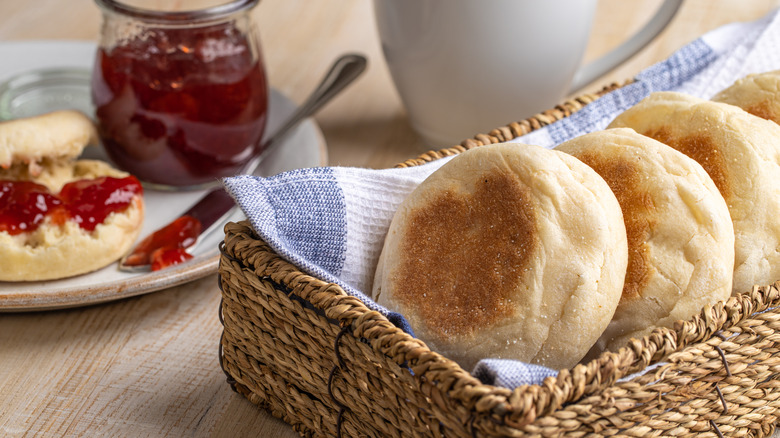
[[464, 67]]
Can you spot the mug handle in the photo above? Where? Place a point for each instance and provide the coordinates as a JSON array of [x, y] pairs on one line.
[[591, 71]]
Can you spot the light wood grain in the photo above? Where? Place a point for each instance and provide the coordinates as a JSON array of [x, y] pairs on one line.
[[147, 366]]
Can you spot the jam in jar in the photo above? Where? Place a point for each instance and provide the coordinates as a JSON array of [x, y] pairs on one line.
[[181, 97]]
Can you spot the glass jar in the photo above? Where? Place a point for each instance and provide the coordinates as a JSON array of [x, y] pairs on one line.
[[181, 97]]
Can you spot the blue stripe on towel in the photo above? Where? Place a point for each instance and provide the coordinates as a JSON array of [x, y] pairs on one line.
[[301, 214], [666, 75], [311, 218]]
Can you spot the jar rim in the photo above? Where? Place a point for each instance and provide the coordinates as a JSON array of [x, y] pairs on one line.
[[189, 16]]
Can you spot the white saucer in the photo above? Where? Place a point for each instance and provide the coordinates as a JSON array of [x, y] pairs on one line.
[[304, 147]]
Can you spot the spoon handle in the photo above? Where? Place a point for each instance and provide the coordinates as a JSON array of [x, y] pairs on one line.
[[345, 70]]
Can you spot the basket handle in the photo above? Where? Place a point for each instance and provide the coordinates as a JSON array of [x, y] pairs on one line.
[[598, 67]]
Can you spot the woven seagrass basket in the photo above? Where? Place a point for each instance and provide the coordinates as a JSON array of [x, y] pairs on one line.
[[323, 362]]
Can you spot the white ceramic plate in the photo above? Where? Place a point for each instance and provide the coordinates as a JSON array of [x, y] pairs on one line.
[[304, 147]]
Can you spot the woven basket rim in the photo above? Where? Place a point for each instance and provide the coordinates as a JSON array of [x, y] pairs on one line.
[[513, 407], [521, 405]]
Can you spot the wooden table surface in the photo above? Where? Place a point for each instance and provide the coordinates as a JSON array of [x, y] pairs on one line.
[[147, 366]]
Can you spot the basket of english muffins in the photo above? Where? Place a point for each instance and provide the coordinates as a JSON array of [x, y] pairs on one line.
[[604, 268]]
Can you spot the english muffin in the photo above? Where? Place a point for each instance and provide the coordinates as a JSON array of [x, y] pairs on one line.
[[680, 234], [56, 135], [758, 94], [740, 153], [507, 251], [59, 216]]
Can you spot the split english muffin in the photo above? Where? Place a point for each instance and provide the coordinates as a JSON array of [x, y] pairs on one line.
[[52, 136], [59, 216], [680, 234], [507, 251], [741, 154]]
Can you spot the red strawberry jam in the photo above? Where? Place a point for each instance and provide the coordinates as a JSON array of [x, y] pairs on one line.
[[164, 257], [165, 247], [90, 201], [24, 204], [181, 105]]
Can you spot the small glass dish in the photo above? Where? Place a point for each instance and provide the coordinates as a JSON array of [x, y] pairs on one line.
[[41, 91]]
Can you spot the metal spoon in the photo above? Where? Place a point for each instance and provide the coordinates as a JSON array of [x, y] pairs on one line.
[[345, 70], [217, 202]]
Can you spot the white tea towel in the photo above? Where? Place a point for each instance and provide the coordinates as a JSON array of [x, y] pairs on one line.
[[331, 221]]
